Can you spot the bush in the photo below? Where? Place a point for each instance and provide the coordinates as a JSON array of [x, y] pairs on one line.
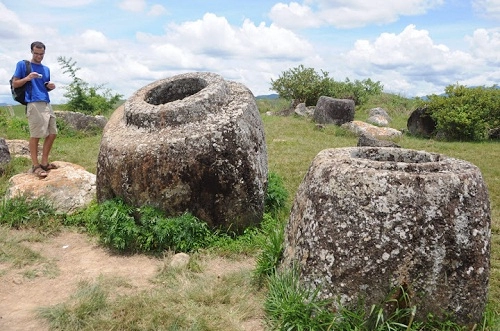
[[84, 98], [465, 113], [305, 85], [146, 229]]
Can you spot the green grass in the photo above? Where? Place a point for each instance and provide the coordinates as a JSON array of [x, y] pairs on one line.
[[187, 299]]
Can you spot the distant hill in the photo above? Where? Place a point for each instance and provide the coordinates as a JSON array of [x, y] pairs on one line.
[[269, 96]]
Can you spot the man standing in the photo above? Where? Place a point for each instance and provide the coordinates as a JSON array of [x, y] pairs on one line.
[[41, 118]]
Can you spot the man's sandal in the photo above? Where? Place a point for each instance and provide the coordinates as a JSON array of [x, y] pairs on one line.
[[38, 171], [48, 167]]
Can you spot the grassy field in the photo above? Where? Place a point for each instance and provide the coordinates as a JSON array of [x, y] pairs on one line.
[[292, 143]]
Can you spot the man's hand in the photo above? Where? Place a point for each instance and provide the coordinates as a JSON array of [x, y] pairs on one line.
[[32, 75], [50, 86]]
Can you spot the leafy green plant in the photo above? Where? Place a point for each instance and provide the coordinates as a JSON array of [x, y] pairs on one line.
[[144, 229], [276, 195], [358, 90], [465, 113], [22, 212], [272, 245], [302, 84], [85, 98], [291, 306]]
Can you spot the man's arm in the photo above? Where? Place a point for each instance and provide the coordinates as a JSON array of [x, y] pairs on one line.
[[18, 82]]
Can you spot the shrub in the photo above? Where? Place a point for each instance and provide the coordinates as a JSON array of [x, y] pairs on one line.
[[83, 97], [359, 90], [302, 85], [465, 113], [305, 85], [144, 229]]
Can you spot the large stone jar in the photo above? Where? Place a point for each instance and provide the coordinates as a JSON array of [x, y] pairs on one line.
[[193, 142], [374, 223]]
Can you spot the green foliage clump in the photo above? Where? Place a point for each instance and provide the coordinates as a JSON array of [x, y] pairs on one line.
[[305, 85], [85, 98], [22, 212], [465, 113], [302, 85], [291, 306], [272, 246], [146, 229], [276, 195], [358, 90]]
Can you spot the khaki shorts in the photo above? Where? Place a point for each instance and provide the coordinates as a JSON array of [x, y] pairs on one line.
[[41, 119]]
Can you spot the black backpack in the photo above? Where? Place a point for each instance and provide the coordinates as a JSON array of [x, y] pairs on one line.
[[18, 94]]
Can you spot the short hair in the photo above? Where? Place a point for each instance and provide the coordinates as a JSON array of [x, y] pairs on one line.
[[37, 44]]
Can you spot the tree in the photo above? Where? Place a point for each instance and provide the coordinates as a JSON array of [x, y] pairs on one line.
[[302, 84], [84, 98]]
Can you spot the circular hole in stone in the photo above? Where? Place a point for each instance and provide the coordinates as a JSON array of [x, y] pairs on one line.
[[175, 90], [395, 155]]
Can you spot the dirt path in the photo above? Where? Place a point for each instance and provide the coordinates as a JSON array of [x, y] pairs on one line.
[[74, 258]]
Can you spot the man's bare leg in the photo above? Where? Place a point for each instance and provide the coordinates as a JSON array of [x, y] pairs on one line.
[[33, 145], [47, 146]]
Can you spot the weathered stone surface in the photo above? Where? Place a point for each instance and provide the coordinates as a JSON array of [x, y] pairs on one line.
[[421, 124], [379, 116], [337, 111], [371, 141], [19, 147], [368, 220], [4, 152], [360, 127], [302, 110], [192, 142], [81, 122], [69, 187]]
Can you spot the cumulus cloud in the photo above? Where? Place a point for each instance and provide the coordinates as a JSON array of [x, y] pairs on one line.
[[485, 44], [411, 58], [214, 36], [346, 13], [11, 26]]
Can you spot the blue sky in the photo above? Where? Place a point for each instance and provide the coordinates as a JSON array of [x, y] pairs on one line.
[[413, 47]]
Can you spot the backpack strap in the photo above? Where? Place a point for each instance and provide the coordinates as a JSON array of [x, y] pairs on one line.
[[27, 63]]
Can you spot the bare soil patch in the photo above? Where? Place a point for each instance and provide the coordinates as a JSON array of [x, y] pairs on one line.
[[71, 258]]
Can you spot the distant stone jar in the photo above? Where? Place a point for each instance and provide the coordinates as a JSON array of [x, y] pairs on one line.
[[190, 143], [369, 222]]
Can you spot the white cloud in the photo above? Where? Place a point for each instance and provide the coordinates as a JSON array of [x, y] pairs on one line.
[[65, 3], [488, 8], [346, 13], [157, 10], [11, 26], [133, 5], [485, 44], [410, 62]]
